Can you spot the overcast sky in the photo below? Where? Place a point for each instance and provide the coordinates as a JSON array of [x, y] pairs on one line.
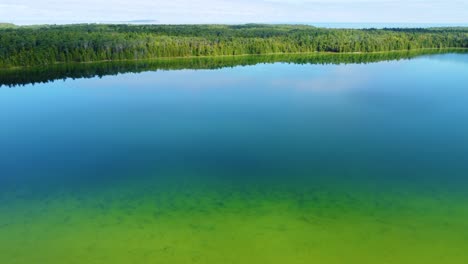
[[234, 11]]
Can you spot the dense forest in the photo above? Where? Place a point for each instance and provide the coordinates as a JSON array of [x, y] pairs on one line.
[[43, 74], [43, 45]]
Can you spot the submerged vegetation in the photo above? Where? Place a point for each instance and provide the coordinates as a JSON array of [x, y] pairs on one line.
[[40, 74], [44, 45]]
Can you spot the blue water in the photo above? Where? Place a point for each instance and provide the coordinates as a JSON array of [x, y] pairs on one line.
[[397, 115], [355, 156], [384, 25]]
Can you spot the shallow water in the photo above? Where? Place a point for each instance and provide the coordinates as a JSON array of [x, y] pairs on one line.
[[268, 163]]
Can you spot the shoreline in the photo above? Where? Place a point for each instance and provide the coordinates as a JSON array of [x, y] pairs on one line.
[[235, 56]]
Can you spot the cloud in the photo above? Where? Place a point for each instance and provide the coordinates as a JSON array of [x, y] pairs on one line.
[[233, 11]]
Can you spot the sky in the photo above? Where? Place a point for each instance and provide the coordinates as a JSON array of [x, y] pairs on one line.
[[233, 11]]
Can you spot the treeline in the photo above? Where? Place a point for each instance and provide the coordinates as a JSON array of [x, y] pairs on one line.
[[7, 25], [44, 45], [41, 74]]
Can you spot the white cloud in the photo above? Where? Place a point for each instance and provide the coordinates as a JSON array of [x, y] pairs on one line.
[[234, 11]]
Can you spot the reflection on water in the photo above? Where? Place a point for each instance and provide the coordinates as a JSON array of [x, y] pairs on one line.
[[23, 76], [270, 163]]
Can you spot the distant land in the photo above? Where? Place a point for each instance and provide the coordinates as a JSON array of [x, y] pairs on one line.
[[51, 44], [7, 25], [333, 25], [137, 22]]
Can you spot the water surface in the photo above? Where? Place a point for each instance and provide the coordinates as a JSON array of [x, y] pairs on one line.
[[265, 163]]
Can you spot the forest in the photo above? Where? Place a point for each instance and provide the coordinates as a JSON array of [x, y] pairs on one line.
[[43, 74], [52, 44]]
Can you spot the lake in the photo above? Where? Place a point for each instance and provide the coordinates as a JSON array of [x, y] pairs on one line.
[[319, 159]]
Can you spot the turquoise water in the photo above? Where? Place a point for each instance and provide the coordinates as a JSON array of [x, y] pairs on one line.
[[267, 163], [386, 25]]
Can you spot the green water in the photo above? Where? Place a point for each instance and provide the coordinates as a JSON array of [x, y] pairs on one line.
[[267, 163]]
